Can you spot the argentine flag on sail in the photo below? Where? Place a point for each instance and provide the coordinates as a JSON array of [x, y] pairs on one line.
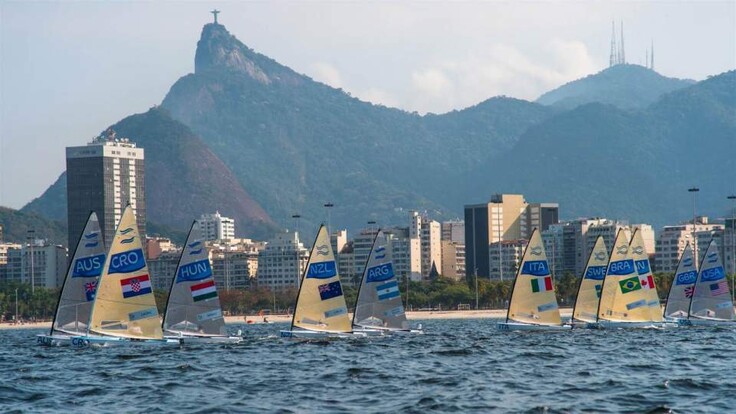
[[388, 290]]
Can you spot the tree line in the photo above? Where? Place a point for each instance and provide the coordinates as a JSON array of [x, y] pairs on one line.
[[440, 293]]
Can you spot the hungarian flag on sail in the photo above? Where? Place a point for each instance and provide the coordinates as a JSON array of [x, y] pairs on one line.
[[203, 291], [136, 286], [542, 284], [647, 282]]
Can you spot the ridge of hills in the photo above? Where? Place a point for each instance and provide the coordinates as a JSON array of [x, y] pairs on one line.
[[625, 86], [295, 144]]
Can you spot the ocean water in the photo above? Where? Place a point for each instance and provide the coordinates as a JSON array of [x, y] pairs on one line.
[[456, 366]]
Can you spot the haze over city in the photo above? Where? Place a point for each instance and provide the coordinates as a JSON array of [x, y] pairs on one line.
[[68, 70]]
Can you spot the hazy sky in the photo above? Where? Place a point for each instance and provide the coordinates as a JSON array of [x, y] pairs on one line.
[[70, 69]]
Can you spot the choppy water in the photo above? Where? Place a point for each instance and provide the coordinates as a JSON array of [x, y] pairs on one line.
[[457, 366]]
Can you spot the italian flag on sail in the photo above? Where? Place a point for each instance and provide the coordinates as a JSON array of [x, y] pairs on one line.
[[203, 291], [542, 284]]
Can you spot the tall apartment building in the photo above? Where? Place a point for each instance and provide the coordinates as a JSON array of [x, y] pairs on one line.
[[729, 246], [37, 262], [453, 260], [454, 231], [505, 257], [672, 240], [282, 262], [554, 246], [429, 234], [104, 176], [504, 217], [216, 227]]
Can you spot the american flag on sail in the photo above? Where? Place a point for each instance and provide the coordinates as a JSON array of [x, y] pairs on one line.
[[719, 288]]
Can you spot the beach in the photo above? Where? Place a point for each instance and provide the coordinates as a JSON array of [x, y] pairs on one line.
[[255, 319]]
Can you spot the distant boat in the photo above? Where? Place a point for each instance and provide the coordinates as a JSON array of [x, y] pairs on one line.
[[625, 303], [711, 302], [533, 304], [682, 288], [193, 312], [79, 287], [124, 309], [379, 306], [591, 283], [320, 311]]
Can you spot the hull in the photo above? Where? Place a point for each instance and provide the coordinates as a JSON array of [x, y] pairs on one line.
[[633, 325], [191, 339], [54, 340], [320, 335], [518, 326], [693, 321], [86, 341]]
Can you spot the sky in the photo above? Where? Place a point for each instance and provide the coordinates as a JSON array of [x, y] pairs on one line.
[[70, 69]]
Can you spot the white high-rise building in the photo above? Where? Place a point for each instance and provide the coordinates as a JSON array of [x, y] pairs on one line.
[[429, 234], [282, 262], [216, 227], [672, 240], [37, 262]]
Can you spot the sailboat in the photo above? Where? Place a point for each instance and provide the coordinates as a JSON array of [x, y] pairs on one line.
[[624, 302], [193, 312], [379, 307], [533, 304], [711, 302], [646, 277], [124, 308], [320, 311], [681, 289], [589, 292], [78, 290]]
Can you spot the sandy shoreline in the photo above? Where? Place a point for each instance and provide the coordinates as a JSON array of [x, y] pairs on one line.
[[254, 319]]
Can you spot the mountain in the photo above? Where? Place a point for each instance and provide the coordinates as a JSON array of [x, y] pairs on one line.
[[296, 143], [17, 223], [244, 135], [184, 179], [625, 86], [598, 160]]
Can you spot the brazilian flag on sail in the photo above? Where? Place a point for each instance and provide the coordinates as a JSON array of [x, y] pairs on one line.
[[629, 285]]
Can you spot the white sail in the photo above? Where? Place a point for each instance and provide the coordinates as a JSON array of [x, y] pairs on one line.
[[379, 302], [124, 305], [78, 291], [193, 306], [682, 287], [646, 278], [591, 283], [712, 296], [533, 297], [622, 296], [320, 305]]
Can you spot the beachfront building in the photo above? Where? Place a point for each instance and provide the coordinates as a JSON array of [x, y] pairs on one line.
[[38, 263], [104, 176], [282, 262], [216, 227], [504, 258], [672, 240]]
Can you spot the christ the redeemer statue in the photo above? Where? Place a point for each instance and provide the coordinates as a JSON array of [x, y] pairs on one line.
[[215, 12]]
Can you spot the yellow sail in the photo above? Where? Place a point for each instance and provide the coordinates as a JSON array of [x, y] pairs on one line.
[[589, 293], [622, 297], [124, 304], [533, 297], [646, 278], [320, 305]]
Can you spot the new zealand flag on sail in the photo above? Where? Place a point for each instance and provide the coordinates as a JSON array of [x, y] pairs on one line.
[[330, 290]]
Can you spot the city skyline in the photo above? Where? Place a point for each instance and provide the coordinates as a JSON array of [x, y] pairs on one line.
[[53, 72]]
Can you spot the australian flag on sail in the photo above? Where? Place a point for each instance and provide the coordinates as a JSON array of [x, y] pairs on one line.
[[90, 288], [535, 268], [330, 290]]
